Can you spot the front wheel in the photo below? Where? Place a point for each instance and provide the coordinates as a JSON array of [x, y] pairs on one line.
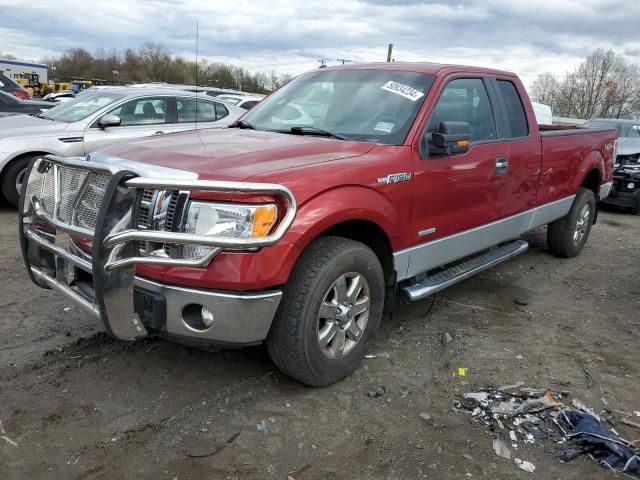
[[330, 310], [567, 235], [12, 178]]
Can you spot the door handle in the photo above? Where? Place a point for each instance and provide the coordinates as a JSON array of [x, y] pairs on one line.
[[502, 165], [159, 132]]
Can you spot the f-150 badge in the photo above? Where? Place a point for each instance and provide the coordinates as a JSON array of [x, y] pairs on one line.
[[395, 178]]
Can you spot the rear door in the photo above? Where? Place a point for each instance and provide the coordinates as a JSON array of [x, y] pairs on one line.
[[192, 113], [524, 146], [140, 117]]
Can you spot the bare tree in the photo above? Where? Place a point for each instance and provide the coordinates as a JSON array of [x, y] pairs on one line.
[[604, 85]]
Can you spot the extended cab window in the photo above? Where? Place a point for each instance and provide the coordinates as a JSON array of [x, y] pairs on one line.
[[515, 111], [465, 100]]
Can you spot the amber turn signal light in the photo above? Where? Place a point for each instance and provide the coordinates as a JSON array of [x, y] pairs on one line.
[[263, 220]]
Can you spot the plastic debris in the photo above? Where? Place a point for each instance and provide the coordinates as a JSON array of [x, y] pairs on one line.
[[462, 371], [426, 416], [526, 466], [262, 426], [581, 406], [516, 414], [479, 396], [605, 445], [501, 449]]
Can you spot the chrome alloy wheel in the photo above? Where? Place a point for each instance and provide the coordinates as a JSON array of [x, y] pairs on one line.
[[20, 178], [343, 315], [582, 224]]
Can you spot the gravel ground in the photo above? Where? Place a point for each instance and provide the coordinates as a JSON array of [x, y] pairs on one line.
[[75, 404]]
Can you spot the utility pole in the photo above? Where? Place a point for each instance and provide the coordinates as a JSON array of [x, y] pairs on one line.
[[323, 63], [344, 60], [389, 52]]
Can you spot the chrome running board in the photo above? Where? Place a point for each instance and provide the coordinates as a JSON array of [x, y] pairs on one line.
[[458, 272]]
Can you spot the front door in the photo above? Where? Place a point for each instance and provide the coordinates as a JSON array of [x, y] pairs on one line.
[[457, 193], [141, 117]]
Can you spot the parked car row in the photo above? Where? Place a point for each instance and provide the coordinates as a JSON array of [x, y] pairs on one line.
[[8, 85], [12, 105], [98, 118]]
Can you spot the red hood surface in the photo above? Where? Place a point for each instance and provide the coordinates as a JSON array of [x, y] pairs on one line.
[[235, 154]]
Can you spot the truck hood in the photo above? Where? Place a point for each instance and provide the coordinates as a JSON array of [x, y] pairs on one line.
[[24, 126], [235, 154]]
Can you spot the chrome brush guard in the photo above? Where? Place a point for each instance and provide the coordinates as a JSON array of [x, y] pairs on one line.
[[68, 202]]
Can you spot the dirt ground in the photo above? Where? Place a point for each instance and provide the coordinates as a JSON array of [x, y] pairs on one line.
[[75, 404]]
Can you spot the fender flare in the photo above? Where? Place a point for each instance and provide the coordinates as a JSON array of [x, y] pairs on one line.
[[594, 160]]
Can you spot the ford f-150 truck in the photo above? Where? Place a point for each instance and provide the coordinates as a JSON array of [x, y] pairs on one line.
[[300, 226]]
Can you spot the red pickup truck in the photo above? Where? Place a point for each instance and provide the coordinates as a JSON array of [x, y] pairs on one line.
[[301, 224]]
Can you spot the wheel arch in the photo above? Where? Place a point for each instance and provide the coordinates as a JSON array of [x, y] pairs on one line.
[[357, 213], [21, 155]]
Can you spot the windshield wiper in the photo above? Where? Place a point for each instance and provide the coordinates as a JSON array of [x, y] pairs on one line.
[[242, 124], [309, 130]]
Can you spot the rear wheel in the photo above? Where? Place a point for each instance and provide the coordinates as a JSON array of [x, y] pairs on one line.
[[330, 310], [12, 178], [567, 236]]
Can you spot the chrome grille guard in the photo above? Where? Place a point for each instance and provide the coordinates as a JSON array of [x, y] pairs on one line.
[[53, 259]]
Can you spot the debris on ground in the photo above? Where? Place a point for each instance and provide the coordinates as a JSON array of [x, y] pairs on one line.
[[262, 426], [376, 391], [446, 338], [519, 415], [501, 449], [427, 417], [526, 466]]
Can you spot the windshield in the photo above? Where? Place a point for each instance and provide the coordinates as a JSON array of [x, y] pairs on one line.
[[630, 131], [366, 105], [81, 107]]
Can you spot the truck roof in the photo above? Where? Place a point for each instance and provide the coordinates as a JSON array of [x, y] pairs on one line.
[[422, 67]]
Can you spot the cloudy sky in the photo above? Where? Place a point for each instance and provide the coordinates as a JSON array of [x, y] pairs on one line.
[[525, 36]]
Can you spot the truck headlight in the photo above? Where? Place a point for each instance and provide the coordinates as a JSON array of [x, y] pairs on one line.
[[631, 186], [226, 220]]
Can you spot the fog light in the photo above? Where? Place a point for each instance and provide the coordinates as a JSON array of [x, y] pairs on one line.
[[197, 317], [631, 186], [207, 317]]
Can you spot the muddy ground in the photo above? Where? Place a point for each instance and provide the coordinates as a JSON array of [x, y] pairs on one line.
[[75, 404]]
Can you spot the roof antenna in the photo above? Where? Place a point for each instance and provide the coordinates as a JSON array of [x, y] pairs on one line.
[[197, 84]]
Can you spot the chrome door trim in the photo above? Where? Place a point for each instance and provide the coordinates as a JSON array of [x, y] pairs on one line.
[[427, 256]]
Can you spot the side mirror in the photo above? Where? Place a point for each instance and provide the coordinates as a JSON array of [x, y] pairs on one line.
[[109, 120], [451, 138]]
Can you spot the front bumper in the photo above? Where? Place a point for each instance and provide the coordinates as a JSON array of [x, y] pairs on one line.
[[620, 198], [55, 215]]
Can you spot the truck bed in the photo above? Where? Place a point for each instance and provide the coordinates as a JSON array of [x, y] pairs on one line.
[[568, 153]]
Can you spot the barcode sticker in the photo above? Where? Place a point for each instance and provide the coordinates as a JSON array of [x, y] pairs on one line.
[[404, 90]]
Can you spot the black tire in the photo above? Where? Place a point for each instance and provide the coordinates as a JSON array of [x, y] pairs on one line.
[[10, 176], [564, 238], [294, 339]]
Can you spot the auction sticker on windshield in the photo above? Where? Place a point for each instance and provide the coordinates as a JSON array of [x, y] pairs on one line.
[[385, 127], [404, 90]]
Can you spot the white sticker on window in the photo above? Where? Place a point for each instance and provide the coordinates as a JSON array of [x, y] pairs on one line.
[[404, 90], [385, 127]]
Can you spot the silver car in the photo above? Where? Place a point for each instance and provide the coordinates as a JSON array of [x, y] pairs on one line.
[[99, 119]]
